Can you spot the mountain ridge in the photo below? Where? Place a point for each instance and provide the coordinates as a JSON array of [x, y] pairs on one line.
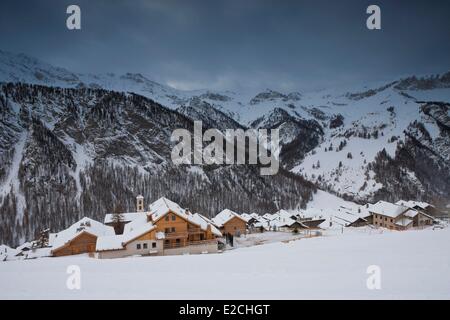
[[363, 144]]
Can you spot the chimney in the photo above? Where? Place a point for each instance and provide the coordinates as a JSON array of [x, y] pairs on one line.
[[140, 203]]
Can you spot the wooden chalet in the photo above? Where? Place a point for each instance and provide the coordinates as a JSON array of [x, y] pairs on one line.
[[164, 229], [230, 222], [81, 237]]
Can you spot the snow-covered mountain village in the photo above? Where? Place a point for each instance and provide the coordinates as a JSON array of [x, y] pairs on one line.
[[214, 157], [364, 181], [165, 228], [86, 179]]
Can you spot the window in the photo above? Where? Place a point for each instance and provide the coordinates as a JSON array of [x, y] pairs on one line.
[[174, 217], [138, 246], [178, 241], [145, 246], [172, 229], [167, 218], [153, 244], [392, 220], [385, 219], [167, 230]]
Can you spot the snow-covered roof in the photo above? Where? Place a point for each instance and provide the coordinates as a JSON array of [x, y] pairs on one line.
[[284, 222], [84, 225], [203, 222], [411, 213], [224, 216], [404, 222], [264, 224], [162, 206], [387, 209], [125, 217], [25, 246], [39, 253], [269, 216], [133, 230], [137, 223], [413, 204], [247, 217], [141, 224], [285, 214], [109, 243], [137, 232]]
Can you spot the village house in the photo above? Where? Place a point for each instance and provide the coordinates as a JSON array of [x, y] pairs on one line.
[[286, 225], [256, 223], [165, 229], [311, 223], [81, 237], [281, 221], [428, 210], [361, 221], [231, 223], [398, 217], [392, 216]]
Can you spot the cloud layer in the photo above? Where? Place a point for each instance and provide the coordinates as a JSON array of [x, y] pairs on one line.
[[232, 44]]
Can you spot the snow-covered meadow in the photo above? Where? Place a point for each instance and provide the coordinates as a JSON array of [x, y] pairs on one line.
[[413, 264]]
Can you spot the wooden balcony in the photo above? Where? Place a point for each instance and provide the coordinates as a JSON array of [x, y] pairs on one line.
[[176, 235], [189, 243], [184, 234], [195, 231]]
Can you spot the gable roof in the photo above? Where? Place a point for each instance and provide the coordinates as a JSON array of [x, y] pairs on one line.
[[269, 216], [404, 222], [163, 206], [414, 204], [411, 213], [141, 224], [85, 225], [203, 222], [387, 209], [247, 217], [224, 216]]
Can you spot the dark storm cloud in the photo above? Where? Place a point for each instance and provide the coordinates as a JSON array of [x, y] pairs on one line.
[[233, 43]]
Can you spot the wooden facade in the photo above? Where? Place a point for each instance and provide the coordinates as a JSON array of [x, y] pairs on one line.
[[235, 226], [180, 232], [83, 243]]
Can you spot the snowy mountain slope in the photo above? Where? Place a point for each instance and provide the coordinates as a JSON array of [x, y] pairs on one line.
[[70, 153], [364, 143], [372, 123]]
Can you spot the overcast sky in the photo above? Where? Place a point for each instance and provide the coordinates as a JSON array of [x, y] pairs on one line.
[[232, 44]]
